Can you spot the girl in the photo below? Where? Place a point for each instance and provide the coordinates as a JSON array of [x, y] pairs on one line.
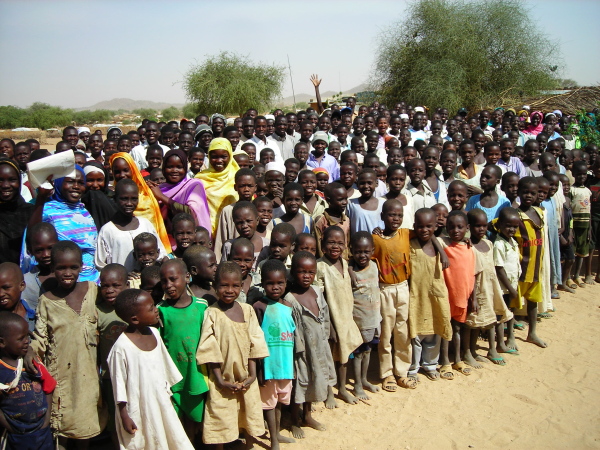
[[123, 166], [115, 240], [230, 343], [365, 212], [292, 199], [264, 206], [333, 276], [97, 198], [312, 204], [65, 340], [396, 179], [468, 171]]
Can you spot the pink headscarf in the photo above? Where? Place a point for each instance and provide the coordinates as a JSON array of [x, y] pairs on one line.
[[535, 130]]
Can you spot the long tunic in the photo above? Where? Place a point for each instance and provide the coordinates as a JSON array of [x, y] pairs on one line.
[[231, 344], [143, 380], [340, 299], [67, 344]]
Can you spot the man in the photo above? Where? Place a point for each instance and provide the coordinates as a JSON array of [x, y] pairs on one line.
[[285, 142], [261, 140], [247, 130], [351, 103], [138, 153]]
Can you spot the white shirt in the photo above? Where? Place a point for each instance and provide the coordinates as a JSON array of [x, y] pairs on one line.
[[138, 153], [270, 143]]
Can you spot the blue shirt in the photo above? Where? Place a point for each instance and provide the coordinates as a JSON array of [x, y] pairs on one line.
[[362, 219], [328, 162], [491, 213]]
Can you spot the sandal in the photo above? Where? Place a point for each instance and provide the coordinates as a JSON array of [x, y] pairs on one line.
[[432, 376], [446, 373], [462, 368], [544, 315], [408, 382], [389, 384]]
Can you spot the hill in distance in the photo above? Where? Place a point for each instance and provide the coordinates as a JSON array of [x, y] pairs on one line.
[[128, 104], [287, 101]]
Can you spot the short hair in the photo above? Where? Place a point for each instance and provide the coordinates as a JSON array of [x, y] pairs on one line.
[[175, 262], [306, 172], [507, 213], [332, 187], [62, 247], [458, 213], [414, 161], [293, 187], [241, 243], [548, 174], [507, 176], [368, 171], [301, 236], [194, 254], [145, 238], [272, 265], [244, 205], [579, 165], [459, 183], [389, 203], [227, 267], [9, 318], [331, 229], [527, 181], [423, 211], [290, 160], [126, 303], [496, 169], [245, 172], [490, 144], [40, 228], [121, 184], [391, 169], [466, 142], [262, 199], [150, 273], [117, 268], [474, 214], [286, 229], [229, 129], [356, 237], [298, 256], [182, 217]]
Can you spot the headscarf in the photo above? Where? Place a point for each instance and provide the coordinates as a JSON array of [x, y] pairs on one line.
[[189, 192], [217, 116], [73, 222], [147, 204], [538, 129], [523, 111], [219, 186], [317, 170], [98, 203], [15, 216]]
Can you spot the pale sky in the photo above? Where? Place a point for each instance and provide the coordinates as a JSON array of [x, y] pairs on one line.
[[77, 53]]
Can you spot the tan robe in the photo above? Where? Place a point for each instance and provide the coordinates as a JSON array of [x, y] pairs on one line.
[[340, 299], [231, 344], [67, 344], [429, 308]]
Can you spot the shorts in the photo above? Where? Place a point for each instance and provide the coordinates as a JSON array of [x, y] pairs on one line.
[[275, 391], [370, 338], [567, 253], [40, 440], [595, 234], [582, 242], [531, 291]]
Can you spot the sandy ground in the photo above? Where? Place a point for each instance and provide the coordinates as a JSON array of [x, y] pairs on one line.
[[543, 398]]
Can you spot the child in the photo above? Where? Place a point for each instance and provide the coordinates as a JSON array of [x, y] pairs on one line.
[[312, 204], [11, 290], [40, 239], [433, 180], [567, 252], [408, 153], [493, 312], [230, 344], [510, 187], [242, 253], [274, 313], [365, 212], [553, 222], [396, 178], [293, 195], [458, 194], [201, 264], [116, 238], [489, 201], [348, 177], [508, 271], [580, 204], [366, 310], [429, 310], [421, 195], [143, 397], [305, 242], [281, 245], [274, 181], [65, 340], [183, 231], [395, 156], [333, 276], [202, 237], [292, 167], [181, 315], [441, 216], [26, 399], [145, 252], [337, 200], [264, 206], [245, 218], [154, 158], [322, 179], [150, 282], [315, 371]]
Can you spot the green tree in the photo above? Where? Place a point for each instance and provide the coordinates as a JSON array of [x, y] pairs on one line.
[[450, 53], [229, 83], [189, 111], [145, 113], [170, 113]]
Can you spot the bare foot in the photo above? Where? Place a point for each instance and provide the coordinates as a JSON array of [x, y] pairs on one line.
[[284, 439], [562, 287], [274, 444], [597, 279], [347, 397], [480, 359], [494, 357], [360, 393], [468, 358], [512, 344], [534, 339], [589, 280], [370, 387], [312, 423], [330, 402], [297, 432]]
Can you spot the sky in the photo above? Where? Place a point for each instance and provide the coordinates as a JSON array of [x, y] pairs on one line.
[[77, 53]]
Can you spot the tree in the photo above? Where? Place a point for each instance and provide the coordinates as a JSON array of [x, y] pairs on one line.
[[230, 84], [145, 113], [170, 113], [452, 54]]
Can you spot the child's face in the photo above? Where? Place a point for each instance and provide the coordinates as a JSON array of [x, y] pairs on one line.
[[338, 200], [304, 272], [206, 268], [457, 197], [395, 156], [11, 288], [381, 173], [308, 181], [362, 252], [251, 152], [492, 154], [95, 181], [488, 180], [245, 222], [392, 217], [467, 153], [441, 215], [532, 153], [184, 233], [506, 149], [265, 213], [416, 172], [153, 287], [580, 176], [301, 153], [245, 187], [334, 245], [174, 171], [553, 187], [157, 176], [274, 284], [242, 161], [174, 280], [201, 238], [146, 254], [291, 172], [41, 247], [448, 163], [335, 148], [347, 176], [431, 158], [261, 187], [322, 181], [528, 194], [280, 246], [511, 187], [457, 227], [509, 227], [306, 244], [229, 287], [478, 226], [15, 341], [425, 225], [519, 153], [274, 182], [372, 142], [127, 199], [367, 182], [146, 312], [154, 158], [67, 267], [243, 257], [112, 284], [292, 201], [566, 184], [543, 191]]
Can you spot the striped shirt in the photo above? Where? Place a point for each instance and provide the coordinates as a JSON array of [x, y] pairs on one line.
[[530, 238]]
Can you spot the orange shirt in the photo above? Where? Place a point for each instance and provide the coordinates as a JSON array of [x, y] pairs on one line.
[[392, 256]]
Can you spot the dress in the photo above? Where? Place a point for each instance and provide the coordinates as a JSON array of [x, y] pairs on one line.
[[460, 277], [429, 310], [491, 213], [315, 370], [67, 344], [339, 297], [231, 344], [147, 394], [180, 331], [363, 219]]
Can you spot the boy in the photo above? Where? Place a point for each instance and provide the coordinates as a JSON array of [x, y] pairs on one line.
[[292, 167], [11, 289], [242, 253], [201, 263], [150, 282], [420, 193], [145, 252], [489, 201], [40, 239], [567, 251], [365, 212], [154, 159], [274, 315], [458, 194], [319, 158], [510, 187], [337, 199], [581, 208], [280, 247]]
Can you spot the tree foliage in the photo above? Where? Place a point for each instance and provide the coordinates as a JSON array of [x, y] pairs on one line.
[[170, 113], [451, 53], [229, 83], [44, 116]]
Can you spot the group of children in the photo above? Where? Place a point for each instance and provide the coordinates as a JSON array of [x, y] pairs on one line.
[[408, 238]]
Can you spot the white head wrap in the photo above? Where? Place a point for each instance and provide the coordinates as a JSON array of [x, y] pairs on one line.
[[91, 169], [82, 129]]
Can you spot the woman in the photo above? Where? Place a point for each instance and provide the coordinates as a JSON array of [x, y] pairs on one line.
[[96, 198], [14, 212], [536, 126], [179, 193], [219, 179], [70, 218], [123, 166]]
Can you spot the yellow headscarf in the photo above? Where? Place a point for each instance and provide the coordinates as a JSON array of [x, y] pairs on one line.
[[147, 205], [219, 186]]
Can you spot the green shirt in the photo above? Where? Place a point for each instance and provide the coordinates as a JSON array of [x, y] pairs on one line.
[[110, 327]]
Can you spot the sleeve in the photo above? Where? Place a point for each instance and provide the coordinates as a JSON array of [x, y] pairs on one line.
[[320, 277], [39, 343], [499, 255], [259, 309], [199, 207], [258, 345], [470, 203], [208, 348], [117, 367], [103, 254]]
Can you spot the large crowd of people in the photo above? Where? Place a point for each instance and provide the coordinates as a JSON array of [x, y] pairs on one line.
[[191, 281]]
